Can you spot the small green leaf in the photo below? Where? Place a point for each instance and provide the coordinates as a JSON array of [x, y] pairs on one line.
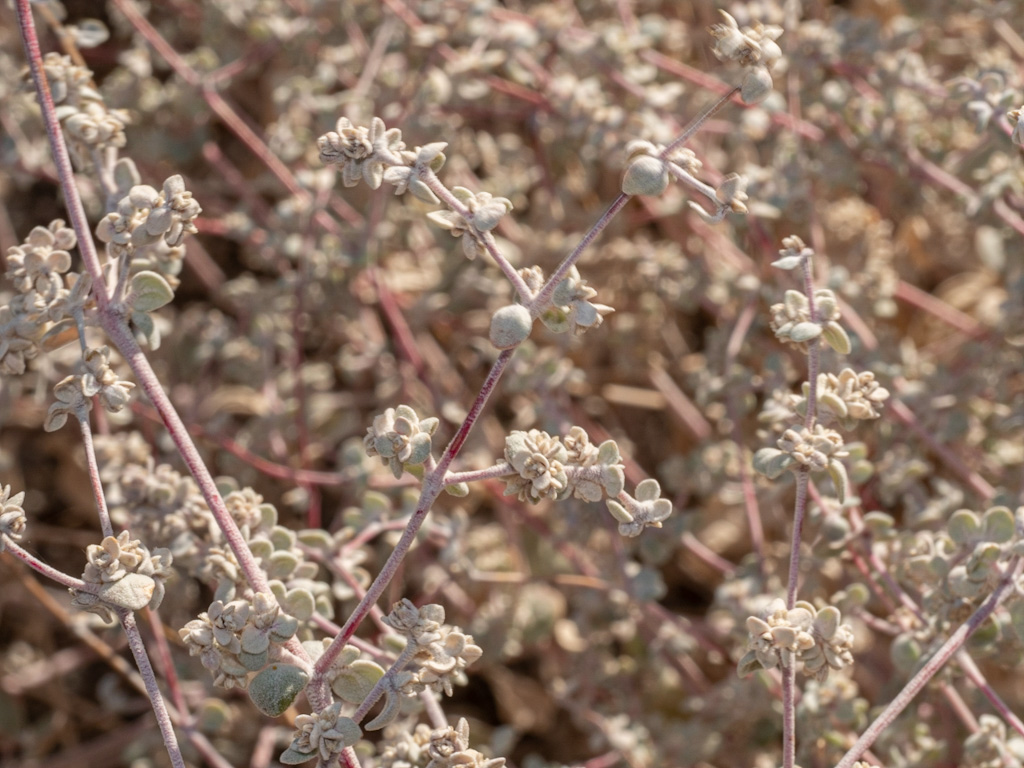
[[254, 662], [837, 471], [149, 291], [355, 681], [280, 564], [459, 490], [299, 603], [964, 526], [294, 757], [317, 538], [999, 525], [836, 337], [771, 462], [274, 689], [905, 653]]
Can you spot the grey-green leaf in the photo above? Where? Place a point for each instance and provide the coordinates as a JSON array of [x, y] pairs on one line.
[[149, 291], [274, 689]]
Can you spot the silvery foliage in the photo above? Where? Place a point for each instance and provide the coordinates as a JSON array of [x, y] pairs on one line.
[[126, 576], [237, 638], [12, 516], [781, 637], [439, 653]]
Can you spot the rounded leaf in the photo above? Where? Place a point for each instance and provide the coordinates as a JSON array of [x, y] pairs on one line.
[[274, 689], [999, 525], [354, 682], [133, 592], [756, 86], [294, 757], [964, 526], [837, 471], [299, 603], [281, 564], [826, 623], [836, 337], [149, 291], [317, 538], [255, 640], [254, 662], [805, 332]]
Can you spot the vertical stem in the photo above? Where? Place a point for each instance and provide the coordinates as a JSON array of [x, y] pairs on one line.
[[799, 513], [94, 477], [156, 699]]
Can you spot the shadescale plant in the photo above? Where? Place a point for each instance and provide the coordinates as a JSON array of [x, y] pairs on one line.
[[356, 332]]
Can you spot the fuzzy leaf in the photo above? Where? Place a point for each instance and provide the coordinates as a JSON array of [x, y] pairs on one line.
[[999, 525], [274, 689], [254, 662], [294, 757], [392, 706], [836, 337], [805, 332], [964, 526], [149, 291], [837, 471], [317, 538], [133, 592], [299, 603], [355, 681]]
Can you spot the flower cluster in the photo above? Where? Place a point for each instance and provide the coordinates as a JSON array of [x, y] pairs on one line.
[[361, 152], [12, 516], [47, 295], [145, 215], [848, 397], [126, 576], [539, 462], [814, 449], [449, 748], [792, 322], [38, 263], [400, 438], [74, 393], [547, 467], [646, 510], [482, 212], [323, 736], [572, 308], [440, 654], [988, 747], [814, 637], [754, 48], [235, 639], [89, 125]]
